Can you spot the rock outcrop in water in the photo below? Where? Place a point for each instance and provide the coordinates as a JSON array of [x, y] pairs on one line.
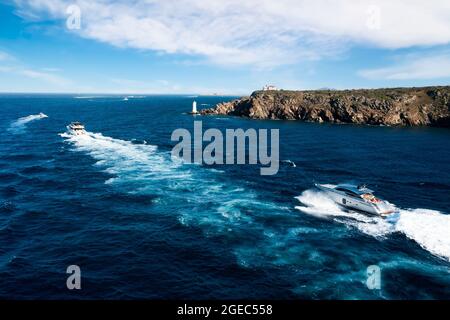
[[428, 106]]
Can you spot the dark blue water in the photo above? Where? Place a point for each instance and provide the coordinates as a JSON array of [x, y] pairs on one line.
[[142, 226]]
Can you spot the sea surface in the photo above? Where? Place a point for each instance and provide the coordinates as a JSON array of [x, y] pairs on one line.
[[141, 226]]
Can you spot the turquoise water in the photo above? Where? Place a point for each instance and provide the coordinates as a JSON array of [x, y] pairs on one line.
[[142, 226]]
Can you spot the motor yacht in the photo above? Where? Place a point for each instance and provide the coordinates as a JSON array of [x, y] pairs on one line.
[[357, 197], [76, 128]]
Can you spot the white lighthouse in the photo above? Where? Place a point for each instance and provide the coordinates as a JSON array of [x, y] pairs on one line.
[[194, 108]]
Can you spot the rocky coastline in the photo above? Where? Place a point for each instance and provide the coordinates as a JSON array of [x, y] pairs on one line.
[[427, 106]]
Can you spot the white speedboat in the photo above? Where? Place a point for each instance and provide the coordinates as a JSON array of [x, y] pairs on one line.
[[357, 197], [76, 128]]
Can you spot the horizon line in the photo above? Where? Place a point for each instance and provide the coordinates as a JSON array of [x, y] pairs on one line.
[[121, 94], [218, 94]]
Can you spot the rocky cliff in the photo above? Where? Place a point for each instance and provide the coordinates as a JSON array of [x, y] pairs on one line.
[[394, 107]]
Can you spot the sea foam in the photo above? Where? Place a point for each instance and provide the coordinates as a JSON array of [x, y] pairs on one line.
[[204, 200], [428, 228], [20, 124], [141, 168]]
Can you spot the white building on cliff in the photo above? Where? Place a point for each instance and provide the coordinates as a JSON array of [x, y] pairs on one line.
[[269, 87]]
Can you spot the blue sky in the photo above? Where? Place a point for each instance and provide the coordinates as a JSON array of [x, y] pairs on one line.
[[217, 46]]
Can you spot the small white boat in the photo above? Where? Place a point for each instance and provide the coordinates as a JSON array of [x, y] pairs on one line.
[[76, 128], [357, 197]]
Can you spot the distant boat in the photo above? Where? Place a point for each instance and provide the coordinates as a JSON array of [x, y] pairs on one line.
[[194, 108], [125, 99], [76, 128]]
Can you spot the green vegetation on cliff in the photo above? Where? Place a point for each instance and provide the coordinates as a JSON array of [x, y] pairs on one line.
[[395, 107]]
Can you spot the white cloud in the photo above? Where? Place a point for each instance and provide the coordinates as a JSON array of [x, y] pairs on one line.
[[37, 75], [161, 86], [52, 69], [412, 68], [47, 75], [129, 82], [5, 56], [141, 86], [264, 33]]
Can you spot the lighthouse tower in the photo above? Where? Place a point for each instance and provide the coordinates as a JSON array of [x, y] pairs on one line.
[[194, 108]]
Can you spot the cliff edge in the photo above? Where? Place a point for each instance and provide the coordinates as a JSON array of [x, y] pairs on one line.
[[428, 106]]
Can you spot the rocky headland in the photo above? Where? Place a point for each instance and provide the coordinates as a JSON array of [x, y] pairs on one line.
[[427, 106]]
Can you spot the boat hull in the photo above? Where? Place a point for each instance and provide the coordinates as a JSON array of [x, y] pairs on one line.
[[353, 203], [76, 132]]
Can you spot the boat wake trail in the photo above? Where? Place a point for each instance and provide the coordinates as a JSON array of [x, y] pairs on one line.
[[199, 197], [428, 228], [125, 160], [20, 124], [261, 232], [290, 163]]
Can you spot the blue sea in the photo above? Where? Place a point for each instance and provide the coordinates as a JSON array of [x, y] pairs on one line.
[[141, 226]]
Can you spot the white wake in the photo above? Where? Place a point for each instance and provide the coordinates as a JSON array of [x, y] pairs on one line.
[[126, 160], [215, 205], [429, 228], [141, 168], [20, 124]]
